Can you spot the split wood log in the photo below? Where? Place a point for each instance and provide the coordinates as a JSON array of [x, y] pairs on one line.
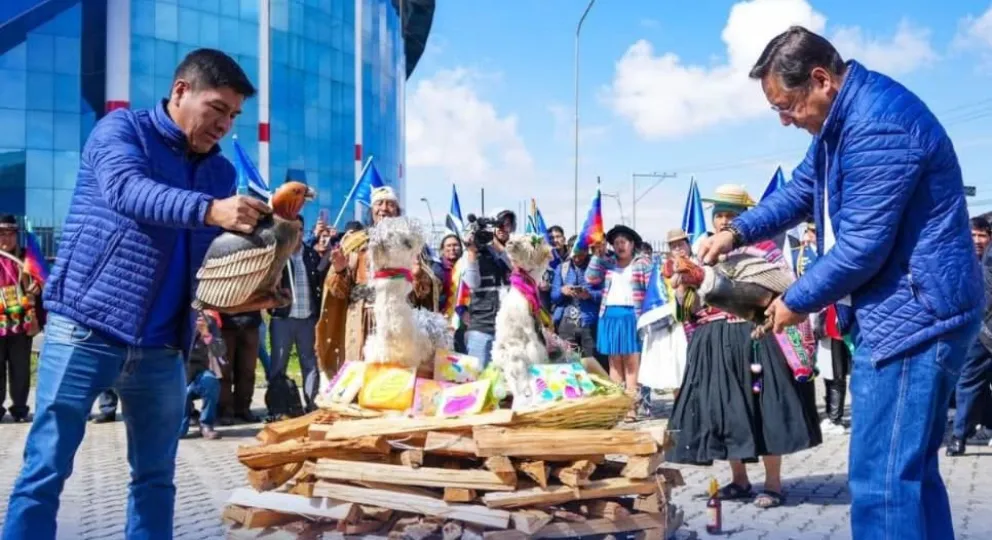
[[529, 521], [459, 495], [271, 478], [294, 428], [261, 518], [477, 514], [641, 467], [411, 458], [402, 490], [273, 455], [614, 487], [502, 467], [394, 426], [575, 475], [592, 527], [304, 489], [536, 470], [601, 509], [672, 476], [234, 514], [450, 444], [350, 471], [564, 442], [291, 504]]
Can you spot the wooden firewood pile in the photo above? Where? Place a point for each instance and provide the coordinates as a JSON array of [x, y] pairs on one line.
[[328, 476]]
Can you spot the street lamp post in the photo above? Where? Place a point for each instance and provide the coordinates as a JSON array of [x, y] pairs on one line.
[[578, 29], [619, 204], [429, 213], [634, 197]]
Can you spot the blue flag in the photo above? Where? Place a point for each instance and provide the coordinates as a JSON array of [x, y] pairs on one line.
[[693, 218], [250, 181], [454, 220], [369, 180], [655, 304], [777, 181]]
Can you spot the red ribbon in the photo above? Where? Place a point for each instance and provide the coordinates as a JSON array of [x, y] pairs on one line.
[[393, 273]]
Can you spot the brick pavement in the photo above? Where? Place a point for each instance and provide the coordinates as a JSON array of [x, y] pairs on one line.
[[95, 498]]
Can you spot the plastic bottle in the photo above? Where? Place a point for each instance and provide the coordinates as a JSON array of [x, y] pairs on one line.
[[714, 510]]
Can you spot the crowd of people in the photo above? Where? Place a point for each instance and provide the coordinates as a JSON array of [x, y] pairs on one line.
[[887, 291]]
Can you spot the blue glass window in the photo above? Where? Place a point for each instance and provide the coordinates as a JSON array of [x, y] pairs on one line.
[[67, 59], [189, 26], [143, 18], [64, 168], [66, 132], [166, 21], [210, 35], [41, 52], [60, 204], [15, 58], [41, 136], [39, 169], [42, 94], [12, 134], [165, 58], [249, 10], [13, 89], [142, 55], [38, 202], [67, 93]]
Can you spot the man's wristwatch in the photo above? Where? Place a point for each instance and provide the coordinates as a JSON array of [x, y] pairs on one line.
[[738, 237]]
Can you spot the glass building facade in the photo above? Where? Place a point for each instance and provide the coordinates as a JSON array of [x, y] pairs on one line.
[[53, 58]]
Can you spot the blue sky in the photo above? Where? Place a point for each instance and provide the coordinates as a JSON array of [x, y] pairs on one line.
[[663, 88]]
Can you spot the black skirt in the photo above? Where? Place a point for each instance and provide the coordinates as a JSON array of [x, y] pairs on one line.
[[718, 416]]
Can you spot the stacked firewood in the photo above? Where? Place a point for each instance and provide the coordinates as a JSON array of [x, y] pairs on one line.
[[328, 476]]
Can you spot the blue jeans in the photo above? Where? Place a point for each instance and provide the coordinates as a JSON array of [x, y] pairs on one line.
[[972, 390], [206, 387], [75, 366], [263, 353], [286, 333], [479, 345], [898, 417]]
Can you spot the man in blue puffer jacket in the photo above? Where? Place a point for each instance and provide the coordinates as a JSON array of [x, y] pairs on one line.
[[882, 180], [151, 193]]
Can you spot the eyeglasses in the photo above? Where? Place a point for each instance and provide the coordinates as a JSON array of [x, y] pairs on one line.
[[793, 108]]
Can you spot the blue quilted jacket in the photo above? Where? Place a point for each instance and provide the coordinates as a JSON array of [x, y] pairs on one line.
[[904, 251], [125, 216]]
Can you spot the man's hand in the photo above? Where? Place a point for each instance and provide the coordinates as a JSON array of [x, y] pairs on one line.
[[599, 249], [338, 260], [33, 288], [583, 294], [781, 316], [238, 213], [711, 248], [544, 286], [568, 290]]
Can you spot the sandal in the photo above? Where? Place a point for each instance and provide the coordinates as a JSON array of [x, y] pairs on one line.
[[769, 499], [733, 492]]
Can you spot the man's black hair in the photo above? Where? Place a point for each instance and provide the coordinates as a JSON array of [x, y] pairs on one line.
[[979, 223], [207, 69], [558, 228], [353, 226], [8, 219], [793, 54]]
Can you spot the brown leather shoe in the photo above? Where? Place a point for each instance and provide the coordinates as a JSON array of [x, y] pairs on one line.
[[209, 433]]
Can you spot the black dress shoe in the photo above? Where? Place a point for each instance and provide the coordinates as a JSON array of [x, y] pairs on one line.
[[20, 419], [248, 417], [955, 447]]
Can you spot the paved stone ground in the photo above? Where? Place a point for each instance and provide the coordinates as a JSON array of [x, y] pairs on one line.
[[95, 498]]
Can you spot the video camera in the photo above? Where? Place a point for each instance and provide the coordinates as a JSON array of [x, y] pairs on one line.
[[480, 230]]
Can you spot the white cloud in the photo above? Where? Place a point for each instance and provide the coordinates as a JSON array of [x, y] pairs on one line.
[[664, 97], [454, 132], [976, 33], [652, 24]]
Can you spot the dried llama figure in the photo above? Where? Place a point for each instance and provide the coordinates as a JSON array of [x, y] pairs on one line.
[[519, 341], [394, 245]]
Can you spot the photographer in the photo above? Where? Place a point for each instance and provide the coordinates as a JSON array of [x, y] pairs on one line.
[[487, 273]]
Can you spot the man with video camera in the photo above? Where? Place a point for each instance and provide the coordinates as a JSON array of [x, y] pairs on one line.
[[487, 273]]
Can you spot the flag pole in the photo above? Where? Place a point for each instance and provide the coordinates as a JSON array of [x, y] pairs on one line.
[[351, 193]]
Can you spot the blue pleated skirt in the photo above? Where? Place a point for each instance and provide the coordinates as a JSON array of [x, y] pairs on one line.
[[617, 331]]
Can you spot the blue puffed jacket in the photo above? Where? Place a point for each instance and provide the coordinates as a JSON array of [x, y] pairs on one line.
[[125, 216], [896, 200]]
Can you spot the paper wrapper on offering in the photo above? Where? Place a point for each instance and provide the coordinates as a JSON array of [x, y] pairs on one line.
[[464, 399], [456, 368], [387, 387], [427, 397], [346, 384], [553, 382]]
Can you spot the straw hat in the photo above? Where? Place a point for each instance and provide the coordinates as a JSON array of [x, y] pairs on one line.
[[731, 195], [676, 235]]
